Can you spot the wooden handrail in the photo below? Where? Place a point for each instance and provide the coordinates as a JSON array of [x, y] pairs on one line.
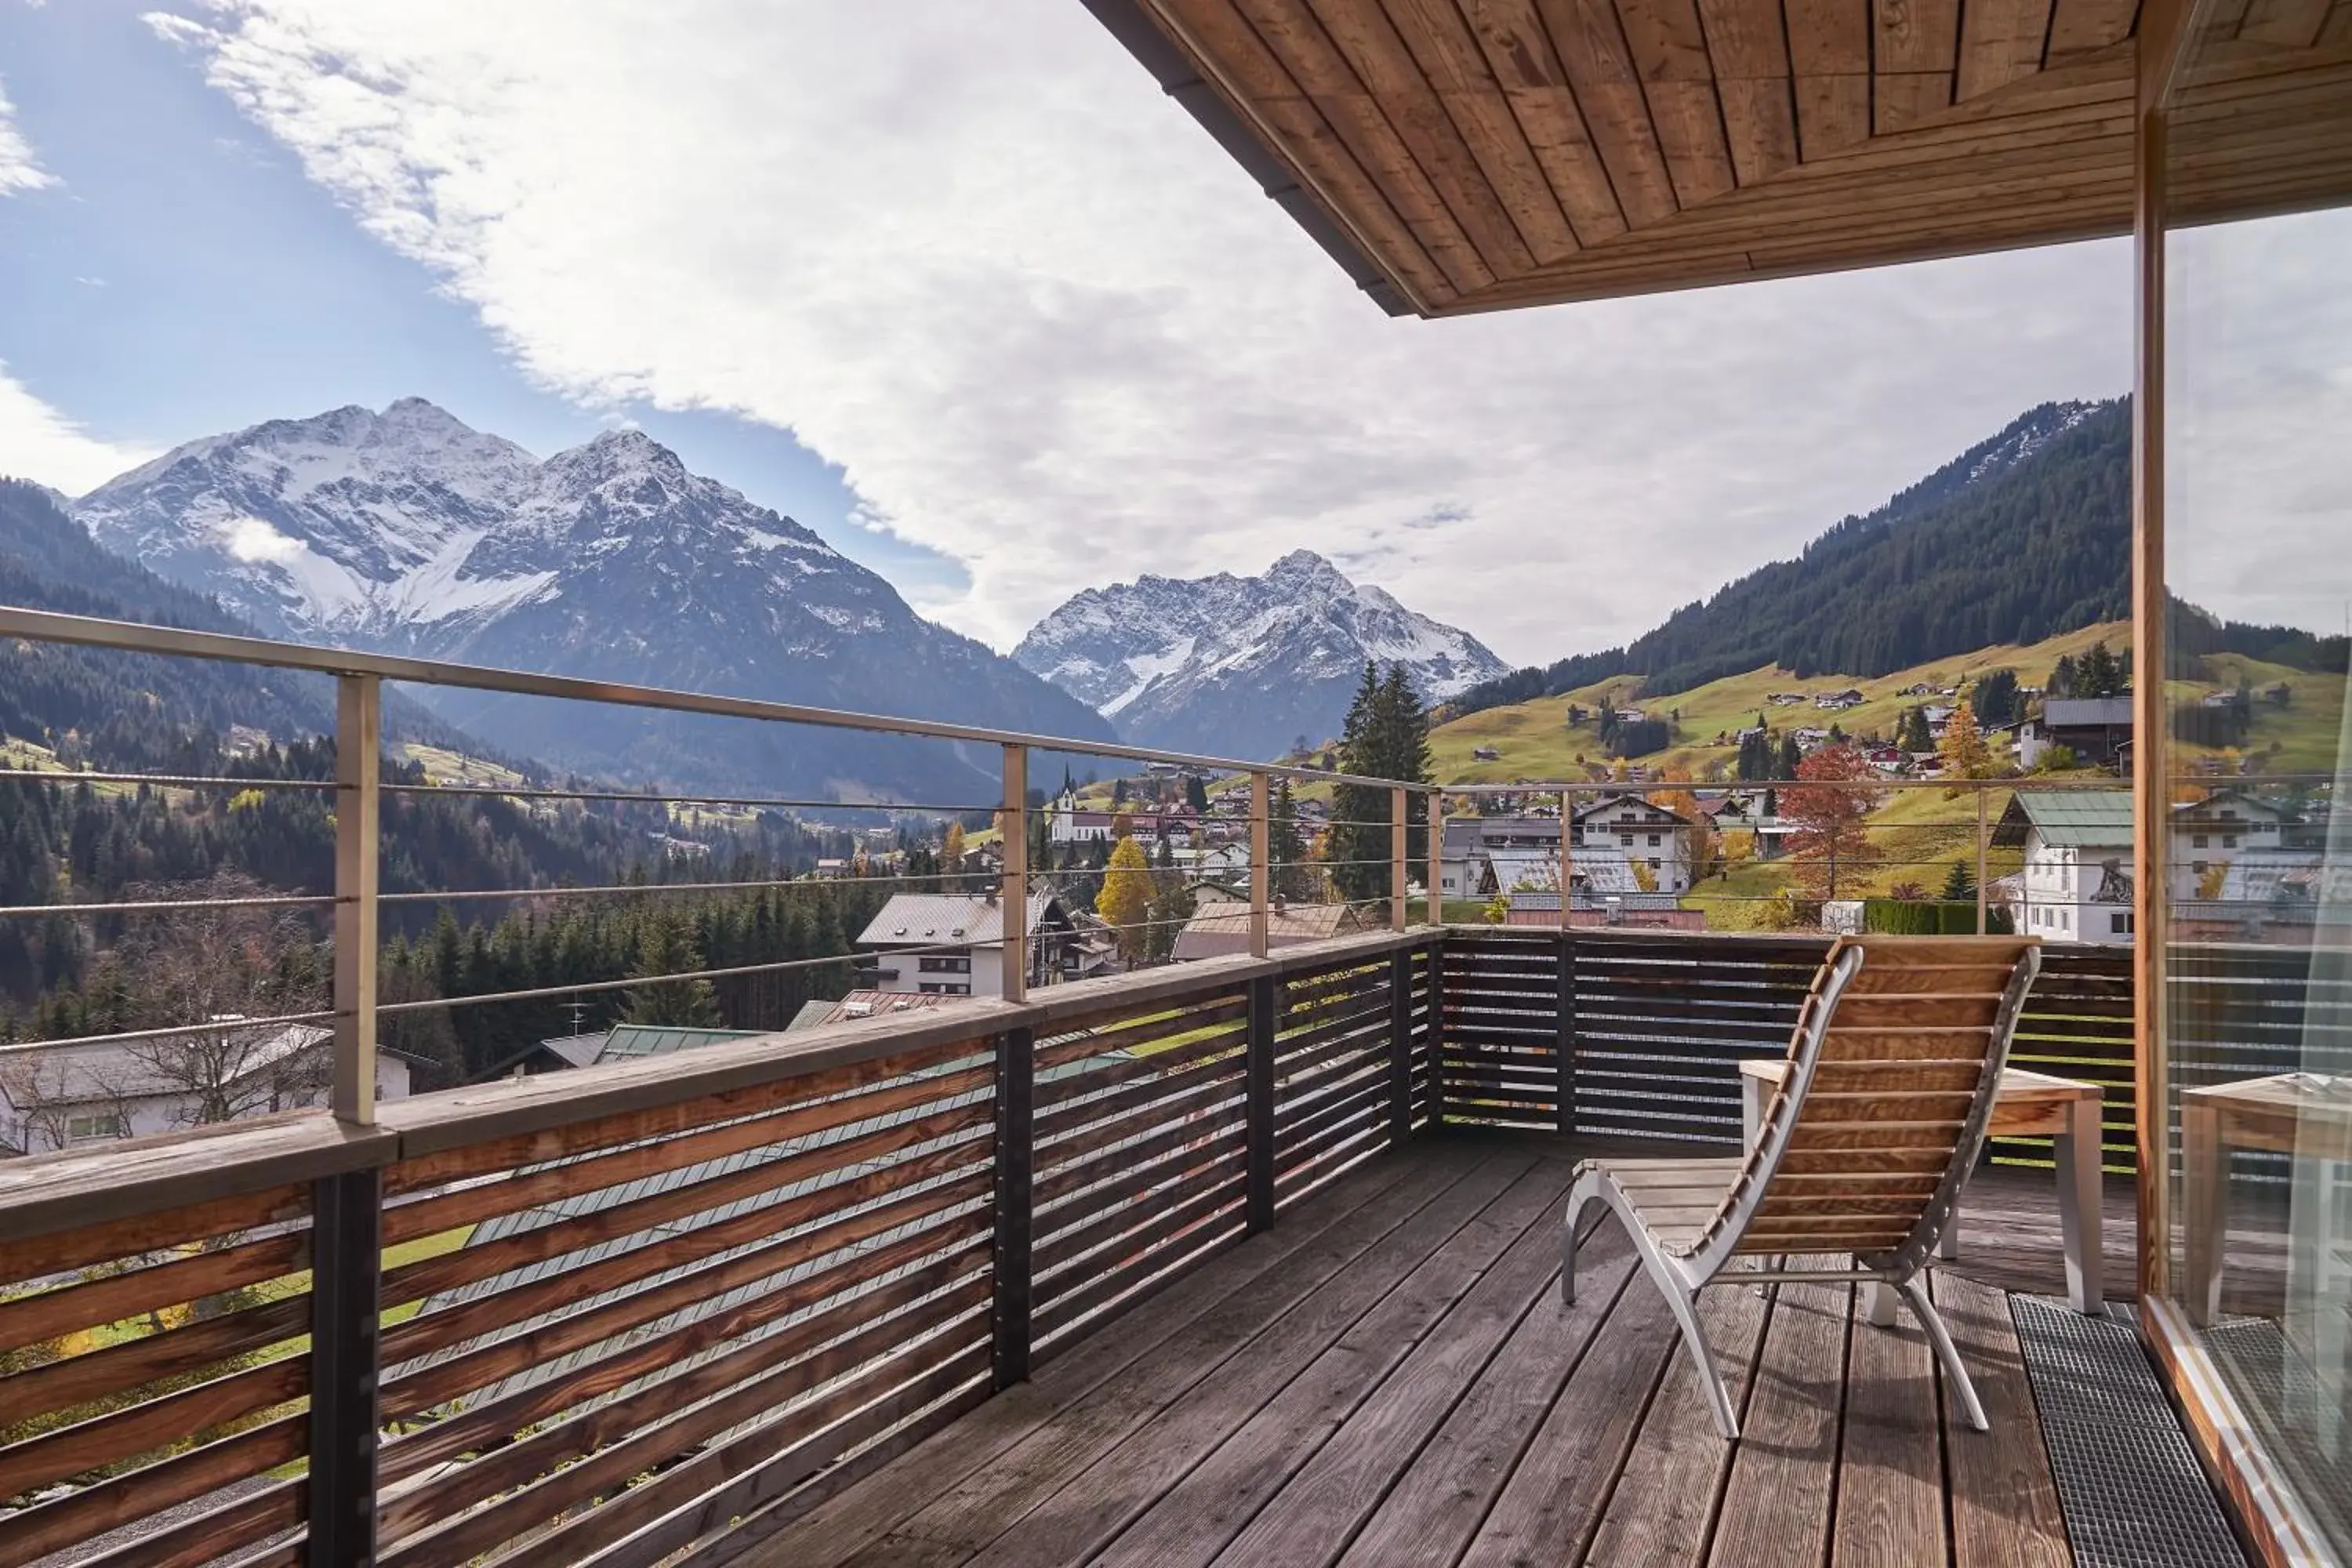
[[92, 1183]]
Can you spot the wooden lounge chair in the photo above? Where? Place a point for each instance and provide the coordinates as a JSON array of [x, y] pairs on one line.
[[1863, 1150]]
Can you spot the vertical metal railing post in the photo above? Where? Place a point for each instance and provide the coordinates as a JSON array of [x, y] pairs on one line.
[[1011, 1293], [359, 826], [1261, 824], [1567, 856], [1436, 856], [1014, 816], [1399, 841], [346, 1279], [1983, 844]]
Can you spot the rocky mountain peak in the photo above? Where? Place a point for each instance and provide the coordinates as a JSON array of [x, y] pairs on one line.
[[408, 531], [1242, 666]]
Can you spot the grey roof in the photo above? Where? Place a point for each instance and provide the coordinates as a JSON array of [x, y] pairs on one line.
[[73, 1075], [2087, 712], [1541, 902], [580, 1050], [811, 1014], [1621, 798], [922, 919]]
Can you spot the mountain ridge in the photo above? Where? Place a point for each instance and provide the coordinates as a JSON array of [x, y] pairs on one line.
[[407, 530], [1242, 665], [2025, 534]]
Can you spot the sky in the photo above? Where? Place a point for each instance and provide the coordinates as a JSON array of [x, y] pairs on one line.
[[966, 294]]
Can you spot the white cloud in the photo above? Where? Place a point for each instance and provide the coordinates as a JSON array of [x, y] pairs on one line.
[[18, 169], [38, 443], [251, 539], [1045, 326], [2258, 397]]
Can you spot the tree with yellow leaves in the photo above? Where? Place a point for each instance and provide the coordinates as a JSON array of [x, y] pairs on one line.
[[951, 857], [1125, 900], [1962, 751]]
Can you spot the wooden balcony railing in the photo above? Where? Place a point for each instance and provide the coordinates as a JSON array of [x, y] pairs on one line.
[[648, 1312], [601, 1316]]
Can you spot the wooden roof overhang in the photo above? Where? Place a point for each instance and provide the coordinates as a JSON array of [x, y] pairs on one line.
[[1460, 155]]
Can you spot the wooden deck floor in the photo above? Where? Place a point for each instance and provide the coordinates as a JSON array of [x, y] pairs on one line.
[[1387, 1376]]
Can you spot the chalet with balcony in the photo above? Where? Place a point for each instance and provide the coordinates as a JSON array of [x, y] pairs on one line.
[[952, 944]]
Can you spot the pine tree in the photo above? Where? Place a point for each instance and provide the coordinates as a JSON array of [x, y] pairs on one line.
[[1994, 698], [1386, 736], [2061, 676], [1196, 794], [665, 945], [2101, 673]]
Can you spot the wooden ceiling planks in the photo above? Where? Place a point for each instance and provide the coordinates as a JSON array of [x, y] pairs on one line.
[[1489, 153], [1670, 53], [2081, 26], [1520, 56], [1915, 54], [1590, 47], [1441, 53], [2293, 22], [1747, 49], [2001, 42]]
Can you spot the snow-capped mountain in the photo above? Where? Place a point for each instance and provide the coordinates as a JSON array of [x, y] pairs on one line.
[[407, 532], [1242, 666]]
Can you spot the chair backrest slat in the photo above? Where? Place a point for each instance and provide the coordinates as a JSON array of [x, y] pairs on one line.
[[1892, 1071]]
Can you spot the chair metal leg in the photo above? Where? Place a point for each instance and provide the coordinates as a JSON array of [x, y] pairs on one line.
[[1915, 1290], [1684, 1302], [1682, 1294], [1587, 1191]]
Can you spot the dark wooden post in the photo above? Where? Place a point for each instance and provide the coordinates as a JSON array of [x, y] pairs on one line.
[[1564, 1041], [346, 1254], [1264, 1005], [1015, 1166], [1401, 1045]]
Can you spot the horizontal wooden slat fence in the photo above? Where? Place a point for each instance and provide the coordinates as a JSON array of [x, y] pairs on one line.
[[157, 1368], [1141, 1147], [713, 1312], [607, 1317], [1651, 1028]]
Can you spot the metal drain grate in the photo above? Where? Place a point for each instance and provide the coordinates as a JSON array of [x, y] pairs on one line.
[[2128, 1482], [2274, 1385]]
